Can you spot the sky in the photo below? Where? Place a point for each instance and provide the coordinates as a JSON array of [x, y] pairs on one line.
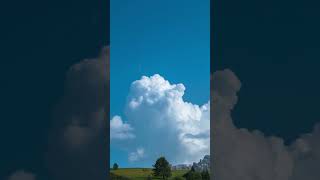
[[169, 38]]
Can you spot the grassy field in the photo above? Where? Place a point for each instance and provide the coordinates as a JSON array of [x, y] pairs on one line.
[[143, 173]]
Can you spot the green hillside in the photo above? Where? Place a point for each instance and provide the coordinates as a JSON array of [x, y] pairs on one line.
[[140, 174]]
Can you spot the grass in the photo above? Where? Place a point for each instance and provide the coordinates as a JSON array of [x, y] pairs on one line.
[[143, 173]]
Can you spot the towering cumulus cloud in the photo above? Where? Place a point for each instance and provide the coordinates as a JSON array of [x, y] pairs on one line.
[[243, 155], [78, 145], [165, 124], [78, 139]]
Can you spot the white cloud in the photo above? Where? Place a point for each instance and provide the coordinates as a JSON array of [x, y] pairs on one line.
[[137, 155], [120, 130], [165, 124], [22, 175]]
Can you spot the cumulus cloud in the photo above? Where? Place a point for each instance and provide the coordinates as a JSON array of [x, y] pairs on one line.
[[244, 155], [165, 124], [120, 130], [78, 139], [137, 155], [22, 175]]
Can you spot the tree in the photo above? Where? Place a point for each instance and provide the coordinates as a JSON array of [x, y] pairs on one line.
[[205, 175], [192, 169], [162, 168], [197, 176], [115, 166]]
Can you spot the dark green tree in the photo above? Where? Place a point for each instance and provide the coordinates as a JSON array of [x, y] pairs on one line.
[[205, 175], [115, 166], [162, 168], [192, 169], [197, 176]]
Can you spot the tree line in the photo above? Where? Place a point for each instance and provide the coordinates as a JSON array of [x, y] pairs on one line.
[[162, 169]]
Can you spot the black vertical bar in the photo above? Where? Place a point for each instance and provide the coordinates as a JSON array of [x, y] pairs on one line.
[[107, 110]]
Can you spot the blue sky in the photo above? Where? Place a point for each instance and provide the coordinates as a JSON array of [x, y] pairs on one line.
[[170, 38]]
